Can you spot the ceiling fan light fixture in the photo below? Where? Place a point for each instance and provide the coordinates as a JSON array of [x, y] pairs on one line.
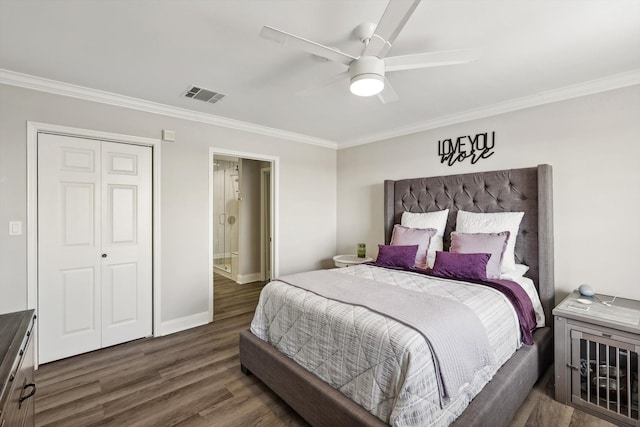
[[367, 76], [367, 71], [367, 84]]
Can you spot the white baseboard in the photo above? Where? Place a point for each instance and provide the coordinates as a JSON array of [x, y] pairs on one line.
[[183, 323], [248, 278]]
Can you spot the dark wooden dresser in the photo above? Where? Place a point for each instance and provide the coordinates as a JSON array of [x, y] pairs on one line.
[[17, 380]]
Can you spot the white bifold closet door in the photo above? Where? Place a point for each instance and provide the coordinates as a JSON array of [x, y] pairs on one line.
[[94, 244]]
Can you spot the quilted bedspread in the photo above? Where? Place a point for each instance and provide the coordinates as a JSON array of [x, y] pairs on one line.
[[381, 364]]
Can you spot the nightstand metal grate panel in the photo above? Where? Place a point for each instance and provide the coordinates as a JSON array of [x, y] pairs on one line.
[[605, 375]]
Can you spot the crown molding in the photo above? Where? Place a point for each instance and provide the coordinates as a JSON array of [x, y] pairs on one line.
[[612, 82], [27, 81], [616, 81]]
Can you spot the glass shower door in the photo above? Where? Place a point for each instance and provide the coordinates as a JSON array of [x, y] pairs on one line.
[[225, 210]]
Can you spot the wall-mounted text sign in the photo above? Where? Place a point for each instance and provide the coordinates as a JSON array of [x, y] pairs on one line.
[[467, 147]]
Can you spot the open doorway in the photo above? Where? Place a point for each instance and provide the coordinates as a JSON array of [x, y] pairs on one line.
[[226, 210], [243, 225]]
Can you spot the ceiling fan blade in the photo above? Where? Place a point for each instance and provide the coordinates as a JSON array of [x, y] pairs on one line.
[[431, 59], [323, 84], [392, 22], [309, 46], [387, 95]]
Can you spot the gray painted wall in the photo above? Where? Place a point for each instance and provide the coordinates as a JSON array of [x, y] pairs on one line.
[[593, 144], [307, 232]]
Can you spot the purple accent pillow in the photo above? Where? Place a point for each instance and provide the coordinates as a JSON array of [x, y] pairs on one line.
[[405, 236], [482, 243], [396, 256], [452, 265]]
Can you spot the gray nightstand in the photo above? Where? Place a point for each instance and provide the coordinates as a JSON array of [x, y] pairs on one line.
[[596, 356]]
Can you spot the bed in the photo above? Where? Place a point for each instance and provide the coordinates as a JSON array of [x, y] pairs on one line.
[[527, 190]]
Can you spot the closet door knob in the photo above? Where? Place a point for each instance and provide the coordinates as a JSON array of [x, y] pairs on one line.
[[104, 255]]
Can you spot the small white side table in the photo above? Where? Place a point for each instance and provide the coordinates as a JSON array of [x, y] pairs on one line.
[[349, 260]]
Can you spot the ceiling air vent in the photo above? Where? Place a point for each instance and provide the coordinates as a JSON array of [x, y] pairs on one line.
[[205, 95]]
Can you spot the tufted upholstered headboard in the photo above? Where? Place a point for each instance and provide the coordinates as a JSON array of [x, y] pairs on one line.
[[527, 190]]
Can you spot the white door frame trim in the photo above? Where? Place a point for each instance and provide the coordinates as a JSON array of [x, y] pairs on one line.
[[33, 128], [275, 183], [263, 238]]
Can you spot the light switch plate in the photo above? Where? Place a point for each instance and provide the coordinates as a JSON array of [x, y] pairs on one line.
[[15, 228]]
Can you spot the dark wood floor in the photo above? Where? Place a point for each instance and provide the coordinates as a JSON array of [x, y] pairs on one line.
[[193, 378]]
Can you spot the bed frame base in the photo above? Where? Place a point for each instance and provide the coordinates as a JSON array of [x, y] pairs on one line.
[[321, 405], [526, 190], [313, 399]]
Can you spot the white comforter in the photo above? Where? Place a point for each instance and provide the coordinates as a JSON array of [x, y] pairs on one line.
[[379, 363]]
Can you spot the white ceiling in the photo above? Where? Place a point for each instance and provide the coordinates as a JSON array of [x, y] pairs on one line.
[[154, 49]]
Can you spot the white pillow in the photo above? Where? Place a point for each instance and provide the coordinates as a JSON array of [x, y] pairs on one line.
[[436, 220], [472, 222], [519, 271]]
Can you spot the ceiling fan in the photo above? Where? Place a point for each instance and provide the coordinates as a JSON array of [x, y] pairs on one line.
[[367, 71]]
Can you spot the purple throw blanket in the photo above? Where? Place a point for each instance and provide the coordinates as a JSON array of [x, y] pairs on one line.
[[521, 303], [515, 294], [458, 341]]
